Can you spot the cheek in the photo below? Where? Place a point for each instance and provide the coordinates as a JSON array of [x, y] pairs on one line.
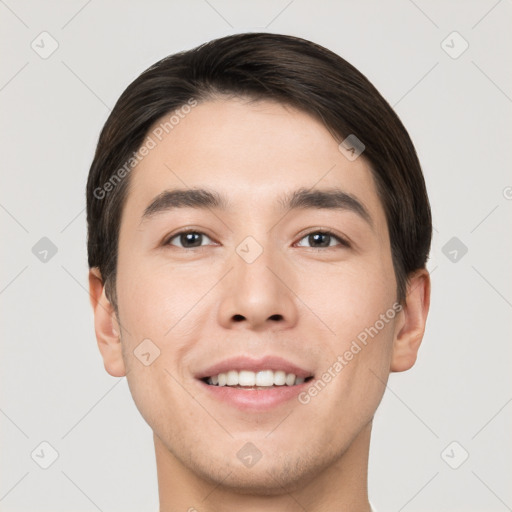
[[356, 356], [162, 303], [153, 305], [353, 296], [358, 304], [154, 298]]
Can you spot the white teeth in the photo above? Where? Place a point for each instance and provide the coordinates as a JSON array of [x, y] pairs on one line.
[[246, 378], [279, 378], [232, 378], [264, 378], [290, 379]]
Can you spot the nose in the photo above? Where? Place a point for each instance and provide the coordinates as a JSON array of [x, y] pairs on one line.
[[258, 294]]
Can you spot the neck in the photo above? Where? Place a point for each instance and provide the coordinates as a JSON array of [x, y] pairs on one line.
[[342, 485]]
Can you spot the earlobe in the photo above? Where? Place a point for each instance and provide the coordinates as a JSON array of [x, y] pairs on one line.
[[106, 326], [412, 324]]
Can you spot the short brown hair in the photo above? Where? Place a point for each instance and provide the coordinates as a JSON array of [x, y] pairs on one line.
[[277, 67]]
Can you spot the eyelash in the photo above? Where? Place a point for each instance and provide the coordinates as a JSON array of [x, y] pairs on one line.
[[342, 242]]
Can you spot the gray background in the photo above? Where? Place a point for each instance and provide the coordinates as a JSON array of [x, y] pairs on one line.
[[457, 110]]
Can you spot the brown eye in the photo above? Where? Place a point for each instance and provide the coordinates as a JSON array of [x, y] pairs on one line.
[[324, 239], [188, 239]]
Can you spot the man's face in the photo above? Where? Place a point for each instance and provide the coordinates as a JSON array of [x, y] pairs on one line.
[[256, 280]]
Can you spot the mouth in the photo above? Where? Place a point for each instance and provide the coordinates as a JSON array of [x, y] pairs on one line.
[[254, 385], [254, 398], [251, 380]]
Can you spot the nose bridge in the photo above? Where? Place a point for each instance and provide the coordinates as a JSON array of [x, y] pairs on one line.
[[253, 263], [256, 293], [256, 251]]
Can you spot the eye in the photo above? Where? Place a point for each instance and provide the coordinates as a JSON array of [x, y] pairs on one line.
[[188, 239], [323, 239], [318, 239]]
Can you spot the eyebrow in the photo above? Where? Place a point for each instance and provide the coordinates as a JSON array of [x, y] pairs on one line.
[[200, 198]]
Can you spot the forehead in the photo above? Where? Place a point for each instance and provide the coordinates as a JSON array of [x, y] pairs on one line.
[[254, 153]]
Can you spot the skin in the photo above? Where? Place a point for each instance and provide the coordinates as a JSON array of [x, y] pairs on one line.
[[200, 306]]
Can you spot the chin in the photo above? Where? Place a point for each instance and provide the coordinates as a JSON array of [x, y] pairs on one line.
[[264, 477]]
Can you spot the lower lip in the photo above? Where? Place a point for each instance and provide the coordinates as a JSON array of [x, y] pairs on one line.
[[256, 400]]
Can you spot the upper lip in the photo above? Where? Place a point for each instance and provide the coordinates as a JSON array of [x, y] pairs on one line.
[[247, 363]]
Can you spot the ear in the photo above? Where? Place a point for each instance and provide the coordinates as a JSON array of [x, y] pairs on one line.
[[411, 326], [106, 326]]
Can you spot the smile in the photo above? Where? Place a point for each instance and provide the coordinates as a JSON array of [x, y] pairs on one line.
[[250, 380]]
